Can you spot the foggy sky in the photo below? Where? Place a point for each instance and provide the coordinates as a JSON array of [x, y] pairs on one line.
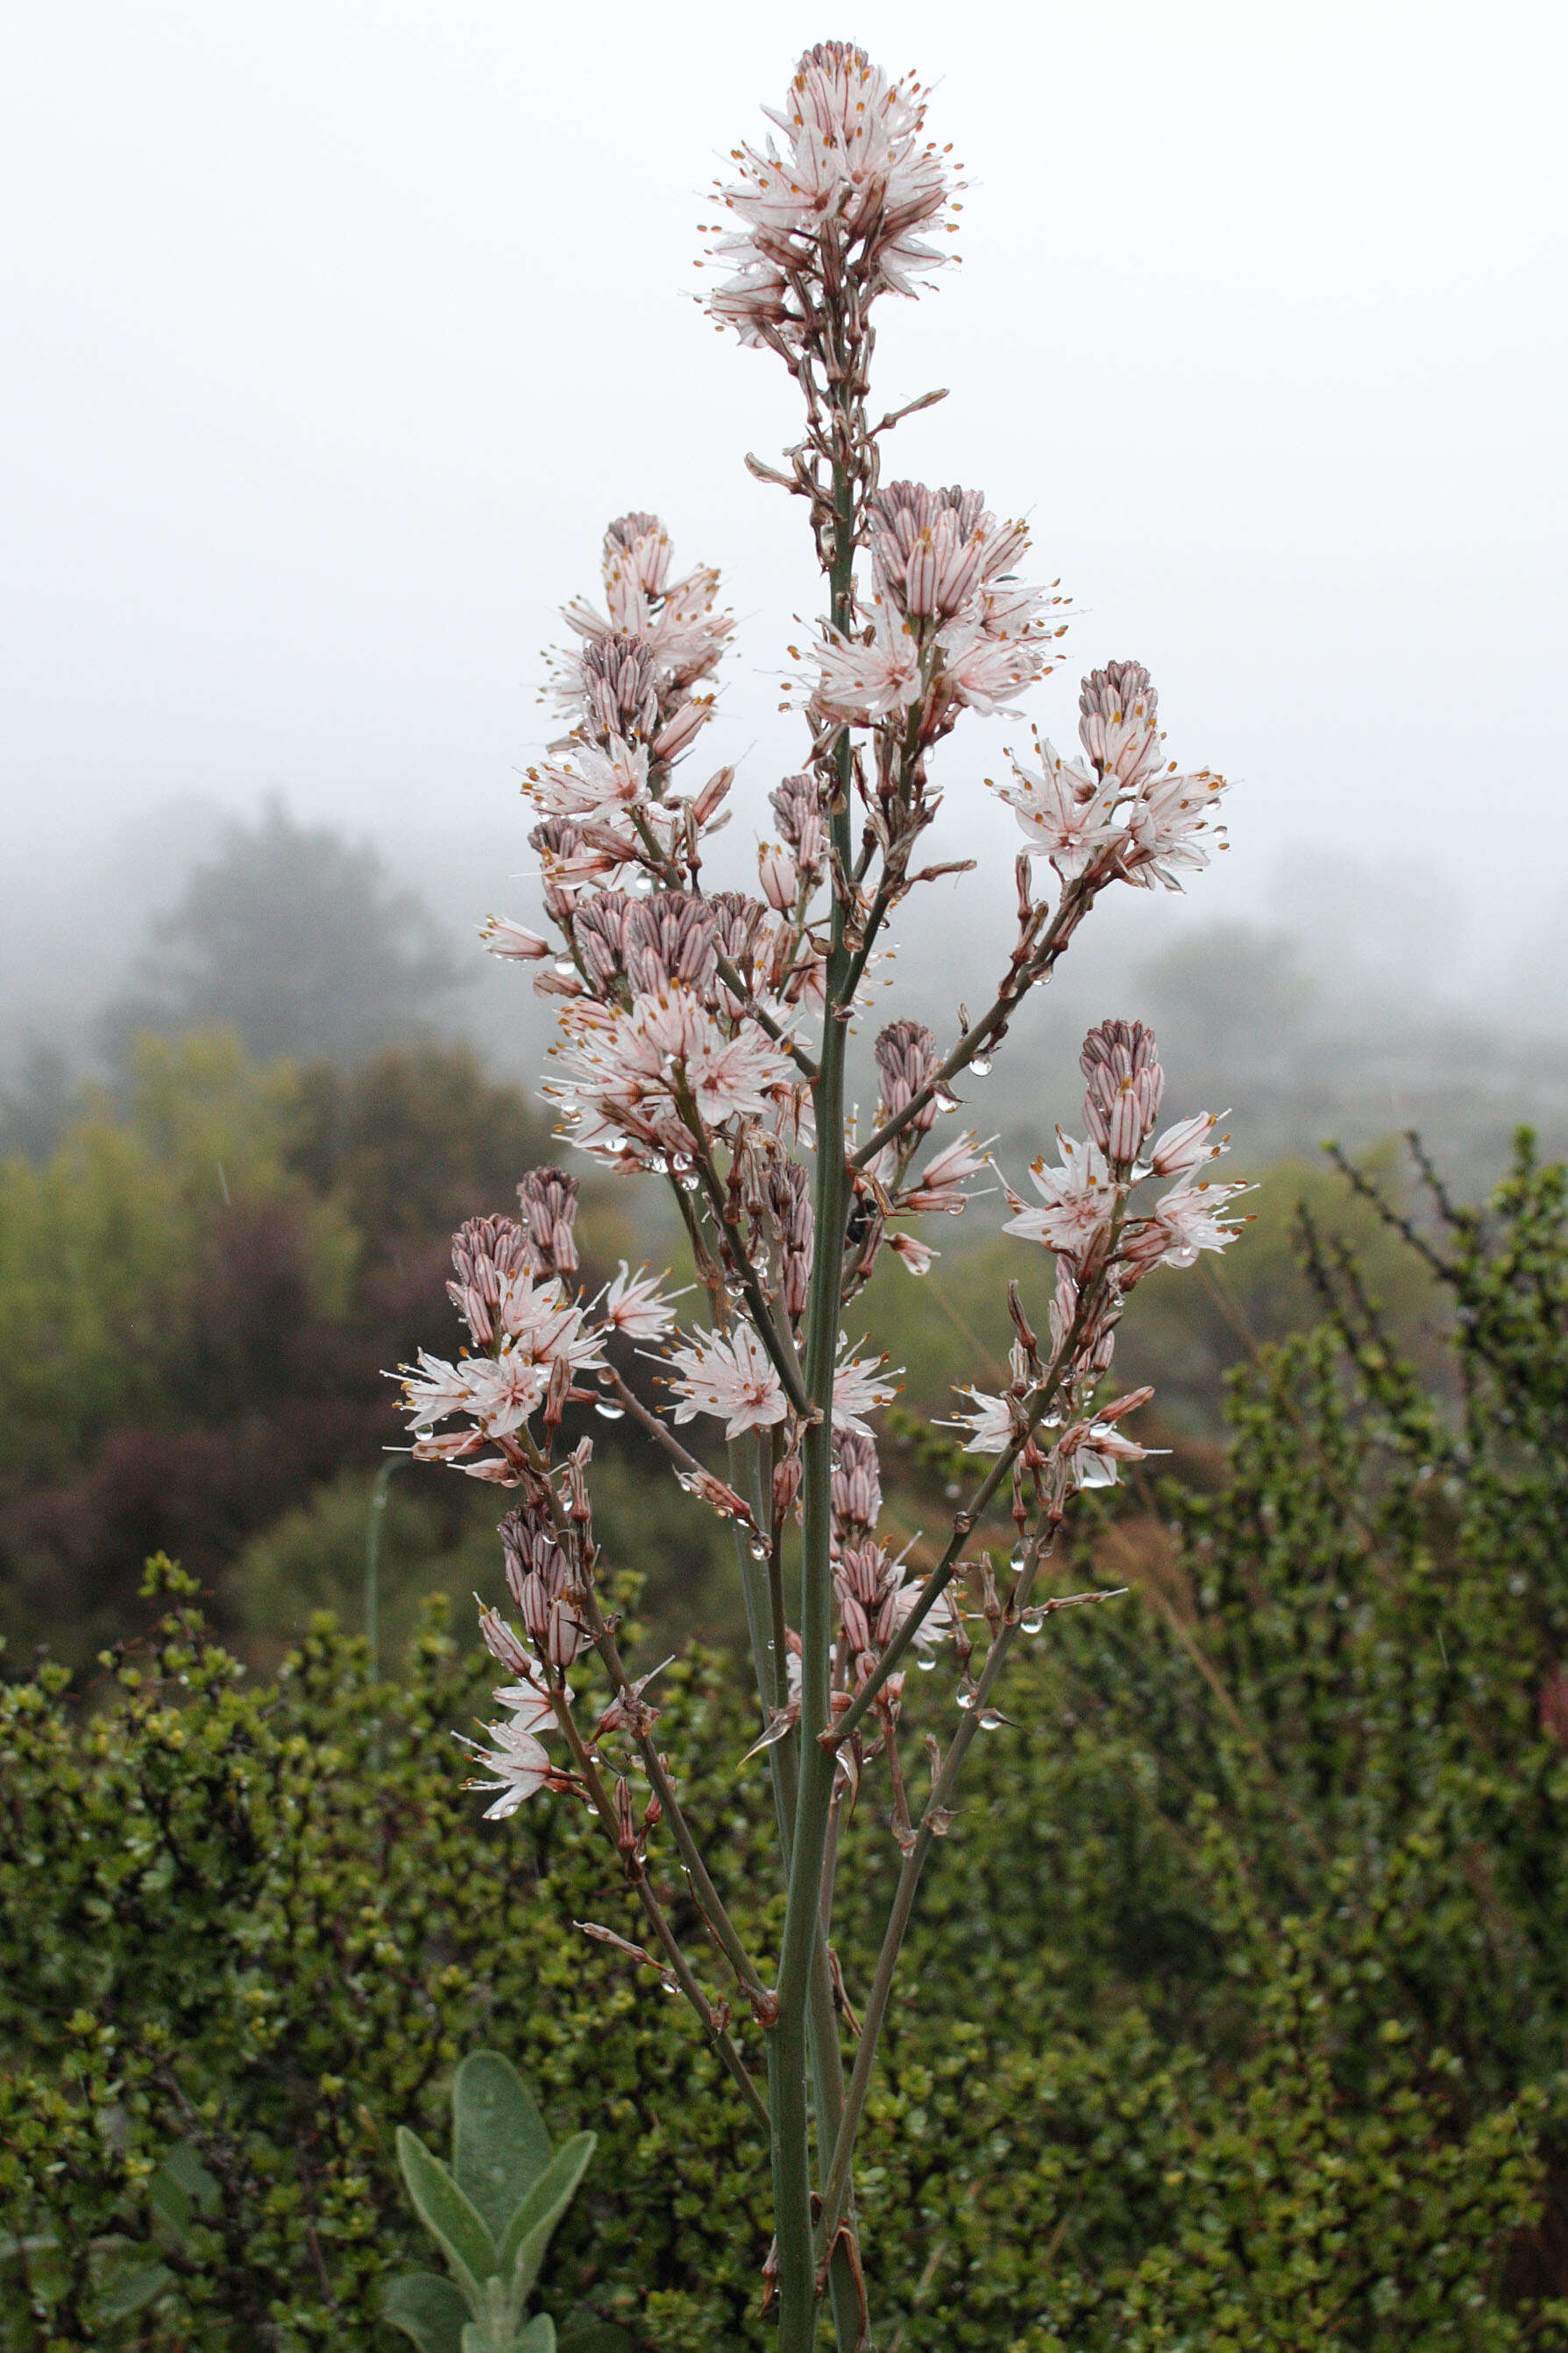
[[333, 333]]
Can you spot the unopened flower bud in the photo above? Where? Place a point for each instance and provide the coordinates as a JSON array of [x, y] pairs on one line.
[[857, 1485], [682, 727], [638, 547], [599, 931], [670, 937], [502, 1644], [927, 547], [739, 918], [486, 1252], [535, 1599], [1125, 1083], [567, 1638], [548, 1202], [780, 878], [907, 1058], [713, 796], [533, 1558], [856, 1626], [786, 1482], [1118, 722], [797, 805], [620, 687]]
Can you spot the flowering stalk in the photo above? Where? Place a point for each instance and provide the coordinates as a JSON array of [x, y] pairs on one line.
[[704, 1039]]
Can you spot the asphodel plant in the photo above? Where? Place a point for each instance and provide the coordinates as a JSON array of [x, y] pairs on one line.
[[703, 1038]]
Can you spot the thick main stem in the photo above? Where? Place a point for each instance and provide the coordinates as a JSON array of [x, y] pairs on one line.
[[798, 1957]]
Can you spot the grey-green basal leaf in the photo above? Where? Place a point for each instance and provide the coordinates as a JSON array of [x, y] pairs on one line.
[[450, 2218], [499, 2143], [523, 2249], [429, 2309]]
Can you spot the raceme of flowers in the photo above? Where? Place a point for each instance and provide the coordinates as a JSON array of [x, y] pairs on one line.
[[1103, 1247], [849, 186], [703, 1041], [1123, 810]]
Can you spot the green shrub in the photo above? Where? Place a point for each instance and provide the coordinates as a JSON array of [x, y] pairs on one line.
[[1235, 2010]]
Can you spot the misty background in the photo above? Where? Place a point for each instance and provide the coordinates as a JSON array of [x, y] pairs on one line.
[[333, 335]]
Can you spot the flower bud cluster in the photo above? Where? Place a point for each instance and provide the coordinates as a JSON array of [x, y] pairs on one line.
[[1122, 1102], [540, 1579], [906, 1058], [548, 1202]]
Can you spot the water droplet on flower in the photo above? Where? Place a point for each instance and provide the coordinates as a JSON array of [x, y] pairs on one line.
[[667, 1982], [966, 1699], [1031, 1621], [689, 1183], [943, 1100], [565, 967], [591, 1810], [759, 1550], [660, 1165], [981, 1066], [988, 1719], [925, 1662], [610, 1413]]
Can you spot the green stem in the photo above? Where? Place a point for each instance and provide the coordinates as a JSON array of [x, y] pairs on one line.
[[798, 1955], [1034, 1405], [835, 2188], [373, 1535], [1043, 957]]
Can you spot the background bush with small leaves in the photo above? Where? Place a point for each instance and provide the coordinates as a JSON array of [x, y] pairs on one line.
[[1242, 1985]]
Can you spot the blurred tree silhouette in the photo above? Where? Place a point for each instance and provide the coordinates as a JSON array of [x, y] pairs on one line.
[[35, 1111], [297, 940], [199, 1294], [1229, 1001], [415, 1141]]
